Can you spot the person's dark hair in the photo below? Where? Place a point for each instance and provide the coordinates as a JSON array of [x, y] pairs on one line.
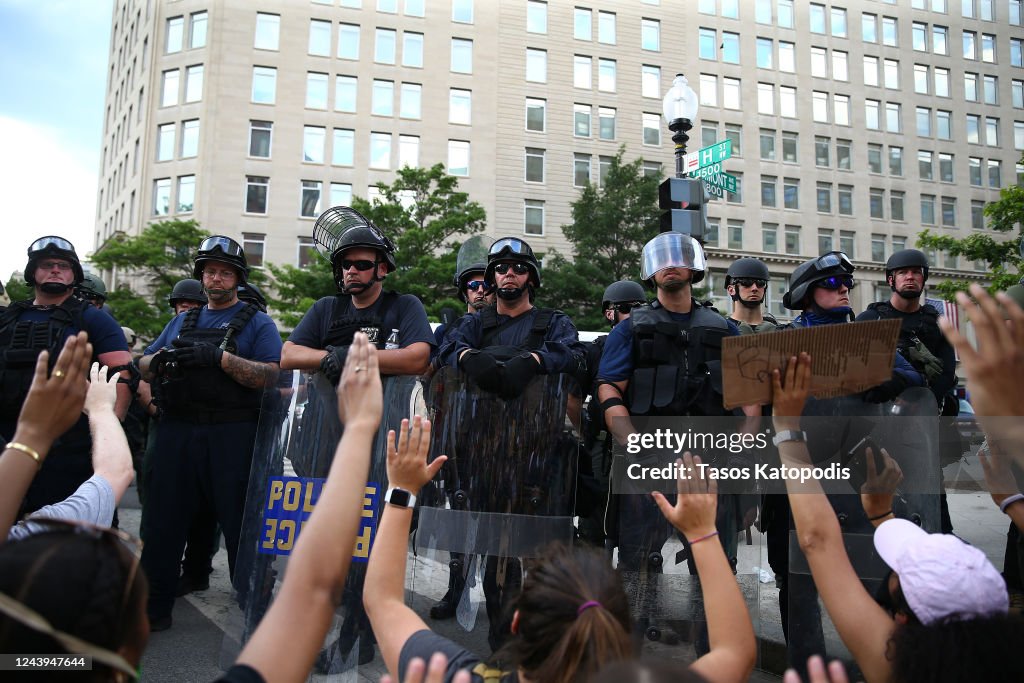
[[983, 649], [556, 641], [78, 583], [652, 671]]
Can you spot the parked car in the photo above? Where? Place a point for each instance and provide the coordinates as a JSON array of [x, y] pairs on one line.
[[968, 424]]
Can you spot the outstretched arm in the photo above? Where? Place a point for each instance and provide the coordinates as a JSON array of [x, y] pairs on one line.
[[111, 456], [302, 611]]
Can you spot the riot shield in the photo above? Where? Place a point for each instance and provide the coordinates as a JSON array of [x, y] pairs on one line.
[[472, 253], [292, 456], [506, 491]]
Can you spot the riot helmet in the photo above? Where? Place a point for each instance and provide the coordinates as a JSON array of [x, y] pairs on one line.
[[516, 250], [224, 250], [747, 271], [187, 290], [832, 264], [623, 292], [672, 250], [906, 258], [54, 247], [472, 258], [92, 288], [340, 228], [250, 293]]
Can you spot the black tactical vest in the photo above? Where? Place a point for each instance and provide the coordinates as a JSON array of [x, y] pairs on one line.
[[677, 367], [210, 395], [346, 320], [20, 344], [923, 325]]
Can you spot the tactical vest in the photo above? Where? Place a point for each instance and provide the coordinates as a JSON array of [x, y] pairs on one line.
[[677, 367], [769, 324], [20, 344], [346, 320], [491, 328], [209, 395], [927, 328]]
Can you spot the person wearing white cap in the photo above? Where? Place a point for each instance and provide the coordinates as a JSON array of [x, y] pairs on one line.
[[943, 610]]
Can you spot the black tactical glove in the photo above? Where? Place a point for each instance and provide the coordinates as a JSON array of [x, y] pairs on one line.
[[334, 362], [192, 354], [483, 369], [886, 391], [517, 375], [161, 360]]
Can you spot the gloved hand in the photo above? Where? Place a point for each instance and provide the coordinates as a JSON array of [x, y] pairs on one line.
[[161, 360], [483, 369], [517, 375], [334, 362], [192, 354], [886, 391]]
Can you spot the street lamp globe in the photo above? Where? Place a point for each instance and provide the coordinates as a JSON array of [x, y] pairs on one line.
[[680, 103]]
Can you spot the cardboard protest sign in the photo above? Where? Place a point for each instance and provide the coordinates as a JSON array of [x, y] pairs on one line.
[[846, 359]]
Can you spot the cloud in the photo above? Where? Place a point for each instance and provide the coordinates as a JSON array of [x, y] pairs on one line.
[[45, 189]]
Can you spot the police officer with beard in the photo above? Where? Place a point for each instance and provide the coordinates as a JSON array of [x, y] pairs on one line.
[[212, 364], [45, 322], [746, 282], [361, 257]]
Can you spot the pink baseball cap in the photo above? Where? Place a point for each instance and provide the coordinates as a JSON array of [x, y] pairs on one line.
[[940, 575]]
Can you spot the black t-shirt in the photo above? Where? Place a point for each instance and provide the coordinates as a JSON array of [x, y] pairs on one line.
[[406, 316], [424, 644]]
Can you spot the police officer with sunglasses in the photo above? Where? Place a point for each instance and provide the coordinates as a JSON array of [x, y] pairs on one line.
[[361, 257], [746, 282]]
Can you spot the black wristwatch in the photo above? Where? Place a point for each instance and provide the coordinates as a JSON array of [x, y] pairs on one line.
[[400, 497]]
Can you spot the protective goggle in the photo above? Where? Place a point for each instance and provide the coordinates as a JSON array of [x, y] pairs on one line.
[[671, 250], [836, 282], [359, 264], [51, 241], [510, 244], [474, 285], [517, 268], [225, 244], [832, 260], [625, 307], [750, 282]]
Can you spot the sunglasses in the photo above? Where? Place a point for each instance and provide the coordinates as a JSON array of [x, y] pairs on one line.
[[517, 268], [837, 282], [474, 285], [750, 282], [225, 244], [360, 264], [625, 307]]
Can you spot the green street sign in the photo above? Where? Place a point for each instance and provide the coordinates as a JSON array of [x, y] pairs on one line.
[[714, 175], [713, 154]]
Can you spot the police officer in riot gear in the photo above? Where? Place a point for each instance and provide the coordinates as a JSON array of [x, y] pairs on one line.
[[45, 322], [92, 290], [361, 257], [746, 282], [250, 293], [186, 295], [212, 364]]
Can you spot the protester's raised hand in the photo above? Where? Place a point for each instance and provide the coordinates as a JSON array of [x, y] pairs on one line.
[[360, 395], [877, 491], [790, 392], [102, 393], [417, 672], [407, 456], [696, 500], [55, 399], [816, 672], [995, 370], [998, 477]]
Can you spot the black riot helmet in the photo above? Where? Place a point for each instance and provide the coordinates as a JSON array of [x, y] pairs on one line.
[[907, 258], [250, 293], [340, 228], [817, 269], [623, 292], [749, 268], [92, 287], [224, 250], [187, 290], [54, 247], [512, 249], [472, 258]]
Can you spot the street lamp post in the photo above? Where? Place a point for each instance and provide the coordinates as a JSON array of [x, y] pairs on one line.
[[682, 199], [680, 109]]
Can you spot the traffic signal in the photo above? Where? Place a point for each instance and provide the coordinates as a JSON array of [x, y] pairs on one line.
[[683, 204]]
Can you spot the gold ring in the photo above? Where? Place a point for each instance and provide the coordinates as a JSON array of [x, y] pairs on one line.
[[359, 368], [58, 373]]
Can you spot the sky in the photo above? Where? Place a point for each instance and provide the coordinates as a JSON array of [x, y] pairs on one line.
[[53, 61]]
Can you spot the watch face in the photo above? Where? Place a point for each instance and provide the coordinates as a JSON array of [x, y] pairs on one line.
[[399, 497]]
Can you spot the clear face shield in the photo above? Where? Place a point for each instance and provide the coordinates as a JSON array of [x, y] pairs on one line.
[[671, 250]]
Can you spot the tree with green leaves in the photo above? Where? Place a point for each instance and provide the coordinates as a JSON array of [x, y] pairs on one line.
[[299, 288], [611, 223], [1003, 256]]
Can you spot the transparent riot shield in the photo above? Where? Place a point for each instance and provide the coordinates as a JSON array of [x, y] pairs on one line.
[[293, 453], [505, 492]]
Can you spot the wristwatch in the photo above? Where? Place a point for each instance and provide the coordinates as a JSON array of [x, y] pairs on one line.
[[789, 435], [400, 497]]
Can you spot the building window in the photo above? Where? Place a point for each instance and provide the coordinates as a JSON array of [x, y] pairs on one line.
[[410, 106], [737, 196], [606, 28], [197, 35], [310, 203], [925, 165], [731, 93], [254, 246], [945, 167], [785, 13], [792, 239], [536, 17], [940, 42], [708, 90], [944, 125], [606, 123], [949, 212], [162, 197], [175, 31], [169, 89], [971, 86], [348, 41], [383, 98], [650, 81], [991, 131], [268, 31], [817, 18], [994, 173], [462, 56], [765, 99], [878, 248], [791, 193], [165, 142], [1017, 90], [977, 214], [343, 150], [536, 65], [385, 46], [264, 84], [790, 147], [313, 139], [824, 197], [892, 117], [819, 106], [924, 121], [652, 129], [869, 28], [194, 83], [846, 243], [787, 56], [412, 49], [581, 170], [822, 151], [408, 151], [650, 34], [974, 171], [341, 194], [319, 38], [534, 165], [768, 190], [582, 20], [845, 195], [533, 217], [259, 138], [826, 240], [819, 62], [458, 157], [734, 133], [380, 150], [316, 90], [919, 36], [896, 161], [928, 209], [840, 66], [843, 154], [838, 22], [189, 138], [536, 115], [841, 109], [872, 114], [389, 6], [604, 165], [874, 158], [787, 101], [765, 53], [345, 90], [988, 48], [895, 208], [581, 120], [970, 45], [305, 253], [606, 75], [770, 237], [735, 234], [462, 11], [876, 205], [730, 47], [256, 190], [707, 43]]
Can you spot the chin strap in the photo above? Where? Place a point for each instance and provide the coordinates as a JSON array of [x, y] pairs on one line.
[[55, 287], [511, 294]]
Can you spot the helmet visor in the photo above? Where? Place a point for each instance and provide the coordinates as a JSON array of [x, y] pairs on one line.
[[227, 245], [512, 245], [671, 250], [51, 241], [833, 259]]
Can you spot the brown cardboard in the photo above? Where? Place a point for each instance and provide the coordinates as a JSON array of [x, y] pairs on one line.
[[845, 359]]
